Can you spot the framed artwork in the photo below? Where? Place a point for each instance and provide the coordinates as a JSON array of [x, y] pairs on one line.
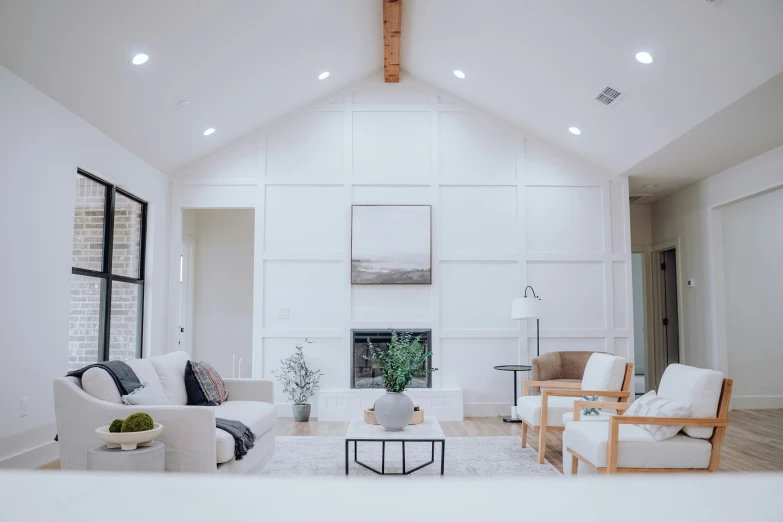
[[391, 244]]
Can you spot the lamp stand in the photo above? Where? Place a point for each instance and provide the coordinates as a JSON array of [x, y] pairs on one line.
[[538, 340]]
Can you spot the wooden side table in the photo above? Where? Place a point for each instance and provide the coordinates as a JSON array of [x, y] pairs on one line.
[[149, 459], [513, 368]]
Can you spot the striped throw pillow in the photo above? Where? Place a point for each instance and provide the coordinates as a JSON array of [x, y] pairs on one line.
[[650, 405], [210, 382]]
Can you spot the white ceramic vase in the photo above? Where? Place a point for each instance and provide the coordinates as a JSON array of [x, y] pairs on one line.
[[394, 410]]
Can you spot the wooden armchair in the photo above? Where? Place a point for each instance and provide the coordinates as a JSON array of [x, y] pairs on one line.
[[608, 376], [621, 446]]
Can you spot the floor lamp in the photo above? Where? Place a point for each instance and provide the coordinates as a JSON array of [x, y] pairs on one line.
[[529, 307]]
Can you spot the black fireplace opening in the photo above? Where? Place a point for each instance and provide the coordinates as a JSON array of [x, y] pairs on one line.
[[365, 375]]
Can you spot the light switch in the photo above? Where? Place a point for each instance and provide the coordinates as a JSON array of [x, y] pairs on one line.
[[691, 282], [283, 312]]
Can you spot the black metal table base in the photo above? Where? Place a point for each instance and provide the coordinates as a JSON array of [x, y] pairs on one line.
[[383, 455], [507, 418]]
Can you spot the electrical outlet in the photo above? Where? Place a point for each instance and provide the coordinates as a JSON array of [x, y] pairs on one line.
[[691, 282], [283, 312], [23, 407]]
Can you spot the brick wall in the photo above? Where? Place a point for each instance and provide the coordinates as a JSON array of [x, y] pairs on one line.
[[86, 292]]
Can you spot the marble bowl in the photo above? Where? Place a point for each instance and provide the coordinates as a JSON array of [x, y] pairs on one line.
[[130, 440]]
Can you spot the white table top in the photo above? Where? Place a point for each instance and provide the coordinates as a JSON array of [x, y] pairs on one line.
[[427, 430]]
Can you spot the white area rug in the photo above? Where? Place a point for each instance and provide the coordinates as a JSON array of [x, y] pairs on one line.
[[465, 457]]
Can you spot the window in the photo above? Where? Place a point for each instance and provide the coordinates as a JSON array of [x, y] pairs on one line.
[[107, 274]]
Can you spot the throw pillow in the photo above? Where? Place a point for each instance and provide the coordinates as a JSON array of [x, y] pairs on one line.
[[650, 405], [145, 396], [204, 385]]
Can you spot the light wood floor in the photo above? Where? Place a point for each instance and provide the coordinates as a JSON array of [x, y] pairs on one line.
[[754, 440]]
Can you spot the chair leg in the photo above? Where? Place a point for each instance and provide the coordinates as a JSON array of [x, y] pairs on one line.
[[541, 444], [574, 465], [524, 435]]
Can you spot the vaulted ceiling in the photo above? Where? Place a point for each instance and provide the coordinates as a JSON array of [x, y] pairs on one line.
[[538, 64]]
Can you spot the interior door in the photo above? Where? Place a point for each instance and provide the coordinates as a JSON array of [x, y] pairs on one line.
[[185, 297], [671, 324]]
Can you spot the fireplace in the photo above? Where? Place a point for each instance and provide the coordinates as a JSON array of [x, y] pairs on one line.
[[364, 375]]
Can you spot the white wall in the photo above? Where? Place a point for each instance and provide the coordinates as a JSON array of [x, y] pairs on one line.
[[641, 225], [508, 210], [223, 288], [42, 144], [695, 215], [752, 264]]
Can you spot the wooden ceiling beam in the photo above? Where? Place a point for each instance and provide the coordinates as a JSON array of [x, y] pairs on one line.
[[392, 23]]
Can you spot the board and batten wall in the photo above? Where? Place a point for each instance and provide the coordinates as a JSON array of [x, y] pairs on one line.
[[508, 210]]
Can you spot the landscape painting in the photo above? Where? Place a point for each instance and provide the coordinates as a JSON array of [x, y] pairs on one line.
[[391, 245]]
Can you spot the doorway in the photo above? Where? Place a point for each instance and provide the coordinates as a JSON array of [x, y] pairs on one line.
[[640, 286], [186, 272], [667, 348]]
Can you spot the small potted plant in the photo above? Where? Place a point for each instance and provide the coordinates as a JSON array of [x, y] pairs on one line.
[[299, 382], [399, 364]]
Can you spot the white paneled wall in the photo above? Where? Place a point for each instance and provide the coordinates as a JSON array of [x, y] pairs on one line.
[[508, 210]]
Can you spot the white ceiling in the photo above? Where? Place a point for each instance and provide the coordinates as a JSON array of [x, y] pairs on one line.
[[537, 64]]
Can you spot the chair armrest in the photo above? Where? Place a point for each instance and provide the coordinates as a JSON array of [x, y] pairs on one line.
[[579, 393], [260, 390], [578, 405], [549, 384], [673, 421]]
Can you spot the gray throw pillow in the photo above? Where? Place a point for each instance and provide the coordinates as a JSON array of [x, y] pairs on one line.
[[145, 396]]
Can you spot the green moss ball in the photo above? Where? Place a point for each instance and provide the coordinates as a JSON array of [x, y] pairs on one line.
[[116, 426], [137, 422]]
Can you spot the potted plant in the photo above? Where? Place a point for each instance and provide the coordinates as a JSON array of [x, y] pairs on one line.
[[398, 365], [299, 382]]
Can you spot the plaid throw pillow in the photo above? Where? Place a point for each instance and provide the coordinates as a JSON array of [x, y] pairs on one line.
[[210, 383]]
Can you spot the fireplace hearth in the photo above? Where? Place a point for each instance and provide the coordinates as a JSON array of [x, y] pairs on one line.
[[365, 375]]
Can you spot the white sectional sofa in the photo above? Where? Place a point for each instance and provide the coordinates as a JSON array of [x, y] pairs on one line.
[[193, 443]]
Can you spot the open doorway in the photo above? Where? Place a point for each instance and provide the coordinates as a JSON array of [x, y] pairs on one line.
[[639, 264], [666, 347], [217, 284]]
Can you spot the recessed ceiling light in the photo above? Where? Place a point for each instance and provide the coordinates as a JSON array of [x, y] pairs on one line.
[[209, 131], [459, 74], [574, 130], [644, 57], [324, 75], [140, 59], [650, 186]]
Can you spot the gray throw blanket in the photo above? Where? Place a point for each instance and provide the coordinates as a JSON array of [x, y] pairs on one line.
[[127, 381], [244, 439], [124, 377]]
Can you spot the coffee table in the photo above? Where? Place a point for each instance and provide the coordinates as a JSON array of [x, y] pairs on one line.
[[427, 431]]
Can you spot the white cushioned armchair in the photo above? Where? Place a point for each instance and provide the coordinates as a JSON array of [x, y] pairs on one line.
[[607, 376], [193, 443], [620, 445]]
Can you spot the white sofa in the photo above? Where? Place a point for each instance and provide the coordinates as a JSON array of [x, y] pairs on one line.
[[193, 443]]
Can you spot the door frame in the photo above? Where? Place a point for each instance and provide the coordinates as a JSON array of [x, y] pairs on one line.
[[658, 307], [649, 362], [190, 241]]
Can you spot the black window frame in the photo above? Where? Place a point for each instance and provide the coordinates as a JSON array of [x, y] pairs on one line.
[[104, 325]]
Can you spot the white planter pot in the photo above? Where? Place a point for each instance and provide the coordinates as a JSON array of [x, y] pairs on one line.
[[394, 411], [129, 440]]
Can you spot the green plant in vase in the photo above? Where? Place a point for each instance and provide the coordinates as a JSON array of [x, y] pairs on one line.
[[403, 360]]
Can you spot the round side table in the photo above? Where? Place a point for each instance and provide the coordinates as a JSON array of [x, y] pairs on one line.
[[513, 368], [149, 459]]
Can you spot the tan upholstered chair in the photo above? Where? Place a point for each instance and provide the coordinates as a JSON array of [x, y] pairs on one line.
[[558, 367], [607, 376]]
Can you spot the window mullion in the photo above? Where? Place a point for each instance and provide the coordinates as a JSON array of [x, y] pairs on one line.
[[108, 241]]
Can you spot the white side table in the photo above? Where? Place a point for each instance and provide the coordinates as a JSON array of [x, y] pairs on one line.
[[149, 459]]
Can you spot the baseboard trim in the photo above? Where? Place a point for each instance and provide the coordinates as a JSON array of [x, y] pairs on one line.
[[757, 402], [32, 458]]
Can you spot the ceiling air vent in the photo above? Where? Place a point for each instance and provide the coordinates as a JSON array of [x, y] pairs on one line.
[[633, 198], [609, 96]]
